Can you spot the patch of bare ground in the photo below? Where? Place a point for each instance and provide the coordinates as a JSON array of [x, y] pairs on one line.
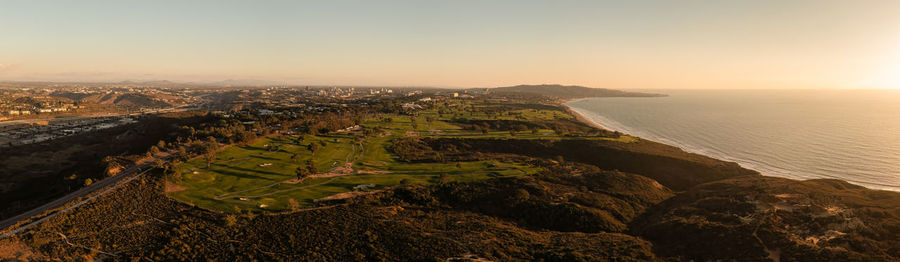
[[372, 172], [14, 250], [172, 187], [344, 170]]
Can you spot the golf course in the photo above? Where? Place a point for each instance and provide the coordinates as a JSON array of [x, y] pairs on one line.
[[261, 175]]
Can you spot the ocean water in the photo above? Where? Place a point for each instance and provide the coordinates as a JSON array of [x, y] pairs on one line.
[[853, 135]]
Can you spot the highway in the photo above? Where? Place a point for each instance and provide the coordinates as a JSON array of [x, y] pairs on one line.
[[38, 215]]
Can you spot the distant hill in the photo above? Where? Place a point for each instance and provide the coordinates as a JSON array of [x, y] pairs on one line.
[[245, 82], [118, 99], [150, 83], [568, 92]]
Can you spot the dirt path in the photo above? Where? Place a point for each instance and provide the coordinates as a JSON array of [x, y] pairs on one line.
[[774, 255], [172, 187]]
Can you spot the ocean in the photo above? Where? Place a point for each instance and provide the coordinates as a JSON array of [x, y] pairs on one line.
[[852, 135]]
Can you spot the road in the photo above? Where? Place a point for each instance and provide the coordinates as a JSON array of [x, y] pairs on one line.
[[125, 175]]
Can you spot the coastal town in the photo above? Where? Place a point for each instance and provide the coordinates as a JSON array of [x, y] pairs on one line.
[[37, 112]]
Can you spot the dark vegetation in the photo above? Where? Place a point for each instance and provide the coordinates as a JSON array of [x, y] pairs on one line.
[[588, 201], [670, 166], [743, 218], [33, 174]]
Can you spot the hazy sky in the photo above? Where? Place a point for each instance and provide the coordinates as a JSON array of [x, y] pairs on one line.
[[613, 44]]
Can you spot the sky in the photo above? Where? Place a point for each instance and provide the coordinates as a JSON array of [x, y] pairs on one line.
[[725, 44]]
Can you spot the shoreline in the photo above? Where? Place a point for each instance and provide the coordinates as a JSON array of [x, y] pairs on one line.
[[580, 117]]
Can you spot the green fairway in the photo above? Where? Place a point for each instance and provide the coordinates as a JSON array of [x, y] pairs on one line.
[[440, 126], [253, 177]]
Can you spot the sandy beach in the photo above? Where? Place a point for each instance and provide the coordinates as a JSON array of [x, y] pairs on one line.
[[581, 117]]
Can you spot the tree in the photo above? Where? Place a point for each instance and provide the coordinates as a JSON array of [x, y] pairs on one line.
[[210, 149], [230, 220], [439, 157], [311, 167], [443, 179], [293, 204], [302, 173], [244, 137], [112, 166], [521, 195], [313, 147], [212, 143], [174, 174], [154, 150], [182, 153]]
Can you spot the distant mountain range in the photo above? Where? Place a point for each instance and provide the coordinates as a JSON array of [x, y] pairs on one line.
[[569, 92]]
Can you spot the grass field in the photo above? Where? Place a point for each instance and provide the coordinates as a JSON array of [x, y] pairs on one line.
[[253, 177], [440, 127]]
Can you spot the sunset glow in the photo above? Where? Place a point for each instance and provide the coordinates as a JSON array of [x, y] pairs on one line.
[[664, 44]]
